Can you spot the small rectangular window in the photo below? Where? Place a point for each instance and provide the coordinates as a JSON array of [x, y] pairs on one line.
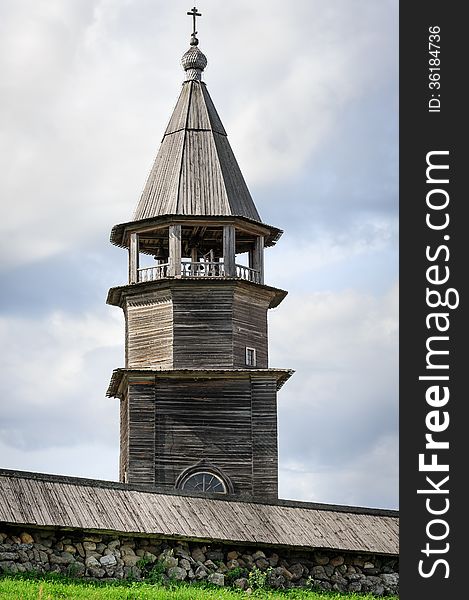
[[250, 357]]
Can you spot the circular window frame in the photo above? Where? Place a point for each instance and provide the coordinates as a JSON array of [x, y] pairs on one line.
[[204, 467]]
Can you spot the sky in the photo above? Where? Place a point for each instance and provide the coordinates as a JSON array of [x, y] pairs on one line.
[[307, 92]]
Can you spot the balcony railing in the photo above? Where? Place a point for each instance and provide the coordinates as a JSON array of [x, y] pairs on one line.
[[198, 269], [153, 273], [202, 269], [247, 273]]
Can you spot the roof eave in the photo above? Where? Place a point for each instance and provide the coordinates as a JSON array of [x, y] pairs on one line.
[[120, 232]]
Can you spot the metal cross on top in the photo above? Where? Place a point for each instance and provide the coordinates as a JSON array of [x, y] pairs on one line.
[[194, 14]]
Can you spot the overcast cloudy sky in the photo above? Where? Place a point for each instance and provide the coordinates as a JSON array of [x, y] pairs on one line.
[[307, 91]]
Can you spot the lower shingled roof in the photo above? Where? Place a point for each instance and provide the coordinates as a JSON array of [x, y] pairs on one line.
[[39, 500]]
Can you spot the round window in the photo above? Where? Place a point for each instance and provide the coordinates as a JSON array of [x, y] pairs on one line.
[[202, 481]]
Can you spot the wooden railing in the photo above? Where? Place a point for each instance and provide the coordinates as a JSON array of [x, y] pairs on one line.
[[202, 269], [197, 269], [153, 273], [247, 273]]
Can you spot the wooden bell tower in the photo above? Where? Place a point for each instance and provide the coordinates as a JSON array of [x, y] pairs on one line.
[[198, 401]]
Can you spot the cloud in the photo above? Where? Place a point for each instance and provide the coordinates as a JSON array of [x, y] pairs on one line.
[[61, 365], [339, 411]]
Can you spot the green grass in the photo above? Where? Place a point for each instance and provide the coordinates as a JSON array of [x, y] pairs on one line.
[[57, 588]]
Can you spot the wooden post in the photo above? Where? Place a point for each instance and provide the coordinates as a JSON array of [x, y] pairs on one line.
[[133, 258], [258, 257], [175, 251], [194, 255], [229, 250]]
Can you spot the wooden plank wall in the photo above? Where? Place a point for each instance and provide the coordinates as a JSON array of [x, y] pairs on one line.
[[203, 326], [149, 330], [206, 419], [141, 433], [249, 327], [264, 437], [124, 439]]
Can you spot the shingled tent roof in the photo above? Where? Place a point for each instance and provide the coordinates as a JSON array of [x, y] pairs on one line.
[[195, 171], [40, 500]]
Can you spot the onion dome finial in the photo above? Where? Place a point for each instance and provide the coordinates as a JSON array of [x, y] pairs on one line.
[[194, 60]]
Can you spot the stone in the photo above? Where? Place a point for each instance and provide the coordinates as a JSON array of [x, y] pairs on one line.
[[337, 578], [198, 555], [277, 581], [169, 562], [378, 590], [108, 560], [354, 586], [88, 545], [262, 564], [283, 572], [119, 572], [201, 572], [177, 573], [93, 538], [8, 556], [336, 561], [126, 551], [70, 549], [26, 538], [8, 567], [64, 559], [216, 579], [368, 565], [257, 555], [184, 564], [214, 555], [182, 553], [321, 559], [390, 579], [241, 583], [328, 570], [77, 569], [92, 561], [233, 555], [150, 556], [100, 547], [80, 549], [273, 560], [114, 544], [297, 571], [130, 560], [232, 564], [318, 572], [96, 572], [132, 572], [248, 559], [210, 565]]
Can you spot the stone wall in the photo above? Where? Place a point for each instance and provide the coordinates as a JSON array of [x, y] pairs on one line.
[[82, 554]]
